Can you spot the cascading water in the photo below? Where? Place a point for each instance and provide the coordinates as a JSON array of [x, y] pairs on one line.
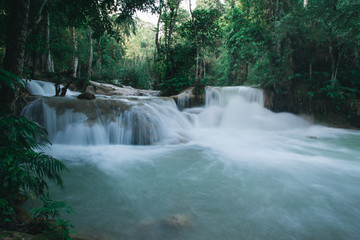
[[222, 95], [239, 171], [140, 121], [243, 108], [41, 88], [184, 98]]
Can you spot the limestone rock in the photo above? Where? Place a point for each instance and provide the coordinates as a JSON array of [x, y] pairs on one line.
[[112, 90]]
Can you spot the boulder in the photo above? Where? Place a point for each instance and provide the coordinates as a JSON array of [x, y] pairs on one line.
[[86, 96]]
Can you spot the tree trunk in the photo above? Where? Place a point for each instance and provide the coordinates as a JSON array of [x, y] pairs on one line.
[[173, 18], [91, 53], [197, 69], [204, 66], [75, 55], [332, 62], [38, 19], [16, 37], [157, 43], [15, 49], [168, 37], [49, 66], [98, 62]]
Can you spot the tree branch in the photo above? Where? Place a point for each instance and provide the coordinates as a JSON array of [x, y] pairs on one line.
[[38, 19]]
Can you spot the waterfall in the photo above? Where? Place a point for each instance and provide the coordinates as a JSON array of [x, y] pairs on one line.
[[184, 98], [139, 121], [41, 88], [222, 95], [150, 120], [243, 108]]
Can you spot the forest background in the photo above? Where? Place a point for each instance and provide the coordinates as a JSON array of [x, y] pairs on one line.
[[305, 54]]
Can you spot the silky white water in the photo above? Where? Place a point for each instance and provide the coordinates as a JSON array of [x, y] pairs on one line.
[[41, 88], [230, 170]]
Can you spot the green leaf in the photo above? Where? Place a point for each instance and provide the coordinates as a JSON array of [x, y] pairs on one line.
[[10, 79]]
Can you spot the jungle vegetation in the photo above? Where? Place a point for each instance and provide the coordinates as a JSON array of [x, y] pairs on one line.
[[304, 53]]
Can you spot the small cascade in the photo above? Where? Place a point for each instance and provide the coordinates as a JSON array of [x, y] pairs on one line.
[[222, 95], [41, 88], [184, 98], [243, 108], [139, 121], [187, 99]]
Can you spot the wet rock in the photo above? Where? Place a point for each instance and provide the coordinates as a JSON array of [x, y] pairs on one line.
[[112, 90], [86, 96], [187, 99], [91, 89], [172, 222], [177, 221]]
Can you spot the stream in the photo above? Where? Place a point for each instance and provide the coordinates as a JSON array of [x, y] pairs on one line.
[[141, 169]]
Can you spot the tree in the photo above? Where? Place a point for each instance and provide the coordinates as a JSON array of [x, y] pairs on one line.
[[168, 16], [16, 36], [15, 47], [204, 29], [35, 27]]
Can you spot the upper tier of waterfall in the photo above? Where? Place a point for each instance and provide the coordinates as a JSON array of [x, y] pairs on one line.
[[41, 88], [222, 95], [150, 120]]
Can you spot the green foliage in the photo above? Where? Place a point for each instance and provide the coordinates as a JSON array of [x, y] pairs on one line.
[[310, 94], [51, 209], [206, 23], [49, 215], [24, 170], [337, 92], [333, 89], [136, 75], [97, 14], [283, 45], [10, 80], [174, 86], [127, 73], [61, 229], [7, 212]]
